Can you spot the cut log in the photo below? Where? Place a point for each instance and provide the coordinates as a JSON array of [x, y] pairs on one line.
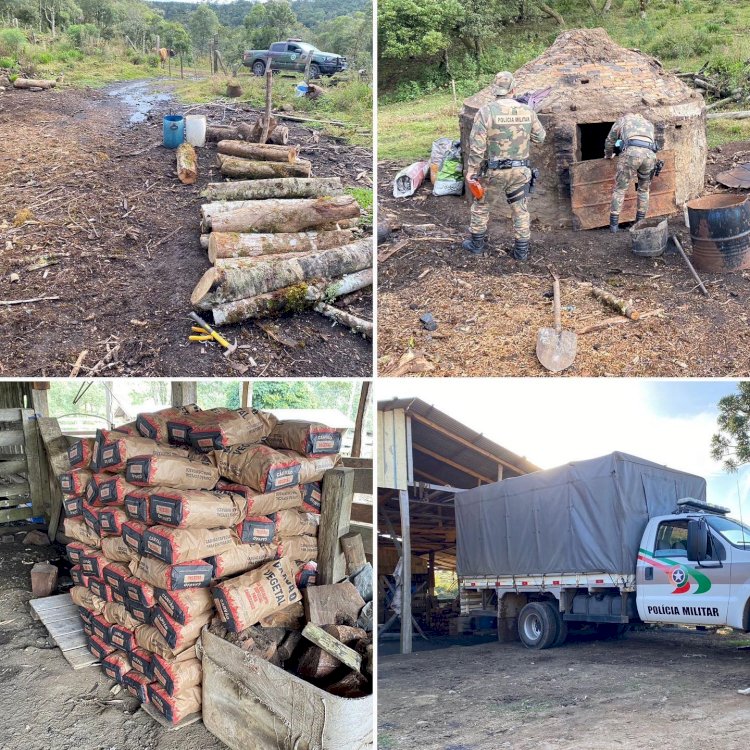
[[316, 664], [219, 285], [358, 325], [332, 646], [279, 136], [33, 83], [220, 132], [252, 260], [289, 299], [333, 604], [205, 238], [353, 685], [253, 131], [187, 164], [295, 215], [223, 245], [233, 166], [289, 187], [623, 307], [289, 645], [354, 552], [259, 151]]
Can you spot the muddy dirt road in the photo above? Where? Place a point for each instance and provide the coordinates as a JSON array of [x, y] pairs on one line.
[[650, 690], [114, 235], [49, 706], [488, 310]]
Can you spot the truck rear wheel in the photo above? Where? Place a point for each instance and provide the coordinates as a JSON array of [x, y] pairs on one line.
[[537, 625], [259, 68]]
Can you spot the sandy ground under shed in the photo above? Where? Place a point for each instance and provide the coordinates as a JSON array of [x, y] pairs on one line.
[[650, 690], [121, 233], [488, 310], [46, 705]]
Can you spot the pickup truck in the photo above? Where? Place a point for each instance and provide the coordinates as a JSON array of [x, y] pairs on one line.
[[601, 544], [293, 55]]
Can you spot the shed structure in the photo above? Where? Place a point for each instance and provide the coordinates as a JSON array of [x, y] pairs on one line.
[[592, 81]]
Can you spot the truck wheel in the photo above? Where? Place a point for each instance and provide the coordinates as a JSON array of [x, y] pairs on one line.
[[259, 68], [562, 626], [314, 71], [537, 625]]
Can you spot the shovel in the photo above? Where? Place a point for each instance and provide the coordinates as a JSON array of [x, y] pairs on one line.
[[555, 348]]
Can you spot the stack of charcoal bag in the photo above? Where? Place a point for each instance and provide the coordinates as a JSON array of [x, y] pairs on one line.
[[165, 509]]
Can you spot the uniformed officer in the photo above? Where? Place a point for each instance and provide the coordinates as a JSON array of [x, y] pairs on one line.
[[638, 156], [500, 136]]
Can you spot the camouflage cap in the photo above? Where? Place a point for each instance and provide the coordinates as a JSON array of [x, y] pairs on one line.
[[503, 83]]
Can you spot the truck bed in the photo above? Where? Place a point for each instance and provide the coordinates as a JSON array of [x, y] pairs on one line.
[[521, 583]]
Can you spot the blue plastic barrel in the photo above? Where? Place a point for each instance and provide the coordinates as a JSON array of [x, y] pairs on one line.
[[174, 130]]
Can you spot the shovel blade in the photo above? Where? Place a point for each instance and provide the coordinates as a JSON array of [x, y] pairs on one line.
[[556, 351]]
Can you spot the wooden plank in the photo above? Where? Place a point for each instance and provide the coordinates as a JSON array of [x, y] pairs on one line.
[[15, 490], [362, 512], [14, 466], [354, 552], [10, 415], [184, 392], [356, 463], [15, 514], [392, 451], [336, 507], [363, 481], [365, 530], [62, 628], [332, 604], [56, 447], [454, 464], [332, 646], [32, 448], [157, 717], [80, 658], [71, 641], [48, 603], [14, 503], [11, 437], [406, 629], [357, 442]]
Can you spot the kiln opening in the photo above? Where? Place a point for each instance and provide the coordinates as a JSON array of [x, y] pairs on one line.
[[591, 137]]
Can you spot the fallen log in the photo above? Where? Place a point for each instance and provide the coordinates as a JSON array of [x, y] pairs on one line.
[[219, 285], [279, 135], [283, 187], [259, 151], [234, 166], [735, 115], [358, 325], [253, 132], [187, 164], [291, 298], [623, 307], [223, 245], [221, 132], [294, 215], [33, 83]]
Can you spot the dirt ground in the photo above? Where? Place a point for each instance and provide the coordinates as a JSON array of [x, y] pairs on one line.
[[671, 689], [488, 310], [49, 706], [121, 234]]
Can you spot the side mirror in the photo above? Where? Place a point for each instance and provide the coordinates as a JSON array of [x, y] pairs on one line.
[[697, 540]]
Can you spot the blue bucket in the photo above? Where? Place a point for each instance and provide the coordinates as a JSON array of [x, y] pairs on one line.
[[174, 130]]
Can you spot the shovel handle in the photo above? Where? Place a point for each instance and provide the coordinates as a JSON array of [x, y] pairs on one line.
[[556, 304]]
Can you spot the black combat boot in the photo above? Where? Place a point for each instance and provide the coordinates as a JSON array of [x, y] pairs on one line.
[[640, 216], [521, 250], [476, 243], [614, 220]]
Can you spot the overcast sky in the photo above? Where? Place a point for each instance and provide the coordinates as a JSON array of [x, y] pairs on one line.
[[552, 421]]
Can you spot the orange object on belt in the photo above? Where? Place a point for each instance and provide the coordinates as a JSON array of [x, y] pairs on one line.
[[475, 188]]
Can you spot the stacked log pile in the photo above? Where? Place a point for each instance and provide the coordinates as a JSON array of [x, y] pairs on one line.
[[279, 239], [183, 513]]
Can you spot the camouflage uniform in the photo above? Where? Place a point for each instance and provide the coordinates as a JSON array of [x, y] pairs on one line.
[[502, 130], [633, 160]]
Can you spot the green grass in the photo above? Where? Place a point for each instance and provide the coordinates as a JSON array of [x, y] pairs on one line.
[[406, 130], [720, 132], [363, 196]]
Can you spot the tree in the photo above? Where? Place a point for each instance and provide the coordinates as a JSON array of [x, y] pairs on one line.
[[174, 36], [270, 22], [347, 35], [59, 13], [102, 13], [204, 23], [731, 444]]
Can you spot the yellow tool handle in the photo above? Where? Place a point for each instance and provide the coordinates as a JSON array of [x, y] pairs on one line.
[[201, 338], [216, 335], [202, 331]]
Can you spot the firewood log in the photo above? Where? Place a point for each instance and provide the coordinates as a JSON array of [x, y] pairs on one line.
[[283, 187], [233, 166], [259, 151], [243, 245], [187, 164]]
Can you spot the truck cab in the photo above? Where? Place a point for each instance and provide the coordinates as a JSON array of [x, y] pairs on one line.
[[694, 568]]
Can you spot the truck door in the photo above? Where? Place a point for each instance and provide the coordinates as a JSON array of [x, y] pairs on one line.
[[277, 56], [297, 59], [671, 588]]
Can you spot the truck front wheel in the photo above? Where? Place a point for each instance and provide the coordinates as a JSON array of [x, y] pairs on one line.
[[259, 68], [537, 625]]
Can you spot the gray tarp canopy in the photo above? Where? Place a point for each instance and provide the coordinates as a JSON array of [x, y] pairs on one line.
[[586, 516]]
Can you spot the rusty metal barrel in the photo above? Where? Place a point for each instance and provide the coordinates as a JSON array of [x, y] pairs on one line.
[[720, 232]]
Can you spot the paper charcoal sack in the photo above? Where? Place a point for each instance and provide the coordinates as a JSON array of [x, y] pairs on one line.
[[99, 648], [241, 558], [243, 601], [118, 448], [115, 549], [215, 429], [84, 598], [179, 545], [172, 471], [258, 466], [74, 482], [142, 661], [139, 591], [99, 588], [78, 577], [132, 535], [80, 453], [76, 529], [312, 468], [307, 438], [137, 504], [311, 497], [155, 425], [76, 550], [183, 606], [177, 707], [294, 523], [263, 503], [115, 575], [190, 574], [122, 637], [177, 676], [73, 506], [149, 638], [136, 684], [107, 489], [197, 509], [298, 548], [118, 614], [179, 636], [111, 520], [257, 530]]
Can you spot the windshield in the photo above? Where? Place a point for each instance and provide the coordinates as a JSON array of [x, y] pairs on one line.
[[733, 531]]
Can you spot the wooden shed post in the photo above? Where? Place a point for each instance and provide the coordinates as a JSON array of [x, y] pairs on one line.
[[406, 627], [184, 392], [357, 442], [335, 513]]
